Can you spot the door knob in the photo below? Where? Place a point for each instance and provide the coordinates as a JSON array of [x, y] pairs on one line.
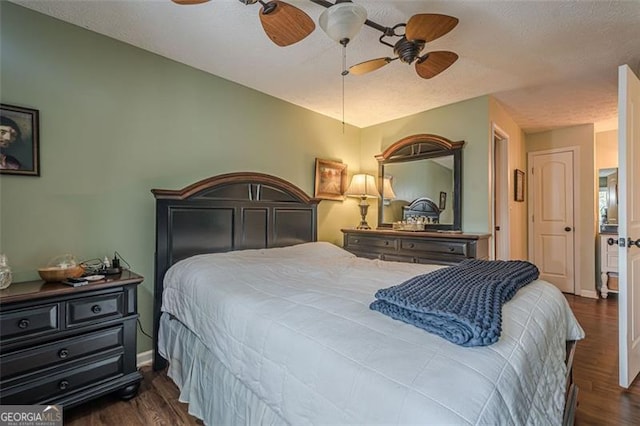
[[497, 228], [567, 228], [631, 242], [612, 241]]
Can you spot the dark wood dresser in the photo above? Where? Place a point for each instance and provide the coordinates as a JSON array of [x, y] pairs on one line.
[[65, 345], [416, 247]]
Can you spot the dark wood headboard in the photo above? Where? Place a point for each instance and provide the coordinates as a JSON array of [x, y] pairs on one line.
[[227, 212], [421, 207]]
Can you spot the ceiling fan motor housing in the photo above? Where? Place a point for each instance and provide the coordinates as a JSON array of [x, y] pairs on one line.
[[408, 50]]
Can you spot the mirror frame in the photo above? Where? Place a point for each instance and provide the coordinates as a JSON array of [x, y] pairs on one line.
[[420, 147]]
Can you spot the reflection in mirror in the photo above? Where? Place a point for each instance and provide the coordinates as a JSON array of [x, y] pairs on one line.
[[413, 180], [608, 196], [421, 180]]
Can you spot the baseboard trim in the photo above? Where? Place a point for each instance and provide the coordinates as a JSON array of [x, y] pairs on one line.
[[144, 358], [590, 294]]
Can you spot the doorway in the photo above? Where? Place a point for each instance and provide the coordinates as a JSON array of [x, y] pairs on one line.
[[500, 194]]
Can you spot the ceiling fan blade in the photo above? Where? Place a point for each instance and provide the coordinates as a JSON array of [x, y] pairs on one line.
[[429, 26], [185, 2], [285, 24], [368, 66], [433, 63]]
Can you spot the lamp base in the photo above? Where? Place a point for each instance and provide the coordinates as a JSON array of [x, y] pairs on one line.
[[364, 207]]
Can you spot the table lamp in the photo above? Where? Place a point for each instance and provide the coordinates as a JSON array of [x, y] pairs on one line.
[[363, 186]]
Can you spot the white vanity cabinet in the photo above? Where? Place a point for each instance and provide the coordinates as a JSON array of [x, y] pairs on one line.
[[608, 263]]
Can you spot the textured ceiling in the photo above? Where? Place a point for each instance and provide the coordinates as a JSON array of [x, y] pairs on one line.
[[550, 63]]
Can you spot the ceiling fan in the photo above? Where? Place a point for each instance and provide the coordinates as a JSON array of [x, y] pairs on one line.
[[285, 24]]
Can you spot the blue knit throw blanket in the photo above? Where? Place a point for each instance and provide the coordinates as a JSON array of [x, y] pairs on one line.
[[462, 303]]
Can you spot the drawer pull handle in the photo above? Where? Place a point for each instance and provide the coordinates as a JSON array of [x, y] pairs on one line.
[[386, 243], [24, 323], [64, 384], [411, 245], [356, 241], [96, 309], [452, 249], [63, 353]]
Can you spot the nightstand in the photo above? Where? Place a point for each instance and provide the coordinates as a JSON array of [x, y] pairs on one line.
[[66, 345]]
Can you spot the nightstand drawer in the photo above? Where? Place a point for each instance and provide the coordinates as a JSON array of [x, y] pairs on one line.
[[27, 322], [97, 308], [50, 388], [448, 247], [26, 361], [358, 240]]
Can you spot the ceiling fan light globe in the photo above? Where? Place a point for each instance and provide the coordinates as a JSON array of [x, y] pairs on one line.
[[342, 21]]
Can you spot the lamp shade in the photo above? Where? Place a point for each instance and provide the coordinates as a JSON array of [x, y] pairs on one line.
[[363, 186], [343, 21], [387, 189]]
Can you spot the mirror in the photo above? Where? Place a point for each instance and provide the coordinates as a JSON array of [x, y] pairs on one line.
[[420, 179], [608, 197]]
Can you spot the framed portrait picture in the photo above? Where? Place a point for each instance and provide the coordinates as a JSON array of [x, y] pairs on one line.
[[19, 141], [443, 200], [518, 184], [331, 180]]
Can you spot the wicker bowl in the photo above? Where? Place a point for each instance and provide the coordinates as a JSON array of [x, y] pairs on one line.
[[56, 273]]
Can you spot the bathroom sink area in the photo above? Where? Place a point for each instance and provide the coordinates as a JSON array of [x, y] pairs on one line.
[[608, 228]]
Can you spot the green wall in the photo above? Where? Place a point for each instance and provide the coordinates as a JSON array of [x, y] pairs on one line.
[[117, 121], [467, 121]]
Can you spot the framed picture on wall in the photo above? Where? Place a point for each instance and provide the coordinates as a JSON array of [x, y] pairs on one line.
[[19, 141], [518, 184], [331, 180], [443, 200]]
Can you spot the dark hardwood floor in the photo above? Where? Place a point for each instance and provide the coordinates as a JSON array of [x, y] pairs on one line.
[[156, 404], [600, 401]]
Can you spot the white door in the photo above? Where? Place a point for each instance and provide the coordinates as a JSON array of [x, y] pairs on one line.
[[629, 224], [552, 221]]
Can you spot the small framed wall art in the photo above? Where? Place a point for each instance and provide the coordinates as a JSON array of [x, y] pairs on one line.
[[331, 180], [19, 141], [443, 200], [518, 185]]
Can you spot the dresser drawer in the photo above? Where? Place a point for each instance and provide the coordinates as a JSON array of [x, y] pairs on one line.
[[51, 387], [459, 248], [27, 322], [358, 240], [97, 308], [66, 350]]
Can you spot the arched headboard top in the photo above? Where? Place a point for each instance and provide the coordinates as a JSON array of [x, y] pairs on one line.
[[234, 211], [421, 207], [250, 186], [419, 145]]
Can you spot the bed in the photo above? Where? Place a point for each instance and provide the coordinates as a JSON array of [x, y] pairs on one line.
[[261, 324], [422, 207]]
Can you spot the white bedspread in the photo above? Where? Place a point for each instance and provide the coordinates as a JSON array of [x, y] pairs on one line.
[[294, 326]]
